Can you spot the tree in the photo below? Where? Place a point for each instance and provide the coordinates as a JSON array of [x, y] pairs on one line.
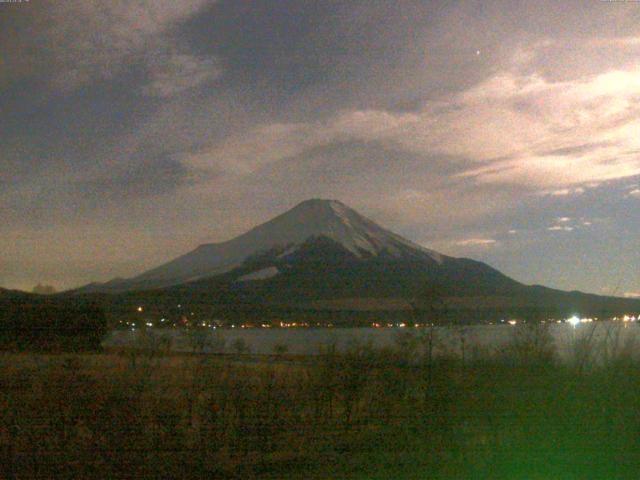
[[44, 289]]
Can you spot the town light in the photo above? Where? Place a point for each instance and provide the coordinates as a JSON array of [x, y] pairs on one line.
[[573, 321]]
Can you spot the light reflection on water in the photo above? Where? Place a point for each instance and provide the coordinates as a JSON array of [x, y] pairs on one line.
[[606, 336]]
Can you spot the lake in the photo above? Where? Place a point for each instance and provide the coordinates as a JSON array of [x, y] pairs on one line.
[[606, 336]]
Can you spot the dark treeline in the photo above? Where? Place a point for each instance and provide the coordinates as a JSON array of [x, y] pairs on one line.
[[197, 309], [229, 304], [50, 324]]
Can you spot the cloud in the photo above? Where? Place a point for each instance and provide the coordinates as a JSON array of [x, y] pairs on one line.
[[554, 138], [635, 193], [150, 177], [576, 149], [546, 126], [248, 151], [76, 42], [563, 192], [559, 193], [175, 73], [476, 242], [560, 228]]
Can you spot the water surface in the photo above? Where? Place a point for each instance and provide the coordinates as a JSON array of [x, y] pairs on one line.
[[604, 337]]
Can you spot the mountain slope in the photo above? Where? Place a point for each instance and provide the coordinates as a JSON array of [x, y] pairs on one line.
[[322, 268], [321, 280], [312, 218]]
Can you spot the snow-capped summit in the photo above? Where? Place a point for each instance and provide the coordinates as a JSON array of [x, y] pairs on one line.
[[310, 219], [331, 219]]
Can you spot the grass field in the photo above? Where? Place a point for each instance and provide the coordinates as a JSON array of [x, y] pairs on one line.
[[363, 414]]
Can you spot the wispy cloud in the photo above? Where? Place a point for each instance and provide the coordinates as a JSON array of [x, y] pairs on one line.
[[476, 242], [563, 192], [551, 137], [79, 41], [175, 73]]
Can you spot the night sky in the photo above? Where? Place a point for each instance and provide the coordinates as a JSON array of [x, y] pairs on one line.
[[505, 131]]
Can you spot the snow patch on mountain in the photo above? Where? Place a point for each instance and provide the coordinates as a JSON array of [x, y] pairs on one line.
[[288, 251], [263, 274]]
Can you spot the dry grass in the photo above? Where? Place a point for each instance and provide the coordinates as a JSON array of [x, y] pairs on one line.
[[364, 414]]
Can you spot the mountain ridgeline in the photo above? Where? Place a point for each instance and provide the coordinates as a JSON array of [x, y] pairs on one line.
[[322, 259]]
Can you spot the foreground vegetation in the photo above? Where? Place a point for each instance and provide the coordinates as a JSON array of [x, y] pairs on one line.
[[47, 324], [516, 413]]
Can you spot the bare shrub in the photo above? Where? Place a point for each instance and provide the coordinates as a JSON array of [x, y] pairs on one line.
[[530, 344], [280, 349], [240, 346], [617, 347], [582, 347]]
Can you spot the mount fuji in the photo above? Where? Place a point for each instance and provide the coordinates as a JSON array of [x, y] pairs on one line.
[[309, 225], [323, 255]]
